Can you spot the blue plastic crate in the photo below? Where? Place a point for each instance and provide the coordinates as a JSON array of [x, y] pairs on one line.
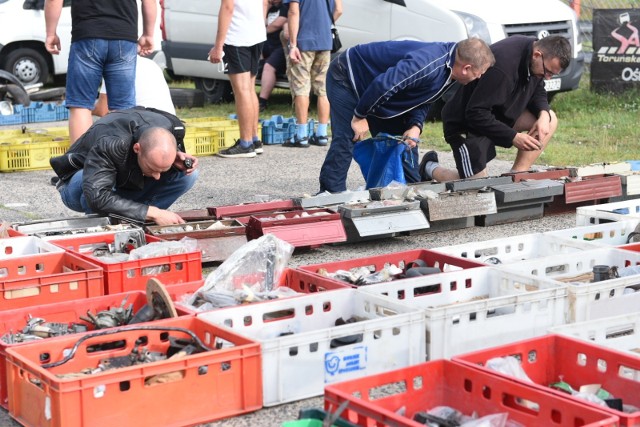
[[278, 130], [62, 113], [18, 117], [41, 112]]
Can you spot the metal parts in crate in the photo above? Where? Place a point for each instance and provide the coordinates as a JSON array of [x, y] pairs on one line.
[[216, 239], [242, 211], [306, 228], [327, 199], [521, 200], [381, 219], [55, 229]]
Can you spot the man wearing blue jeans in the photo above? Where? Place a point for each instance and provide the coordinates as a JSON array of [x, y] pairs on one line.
[[104, 44], [388, 87], [128, 165]]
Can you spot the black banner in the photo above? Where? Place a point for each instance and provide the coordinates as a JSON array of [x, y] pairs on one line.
[[615, 66]]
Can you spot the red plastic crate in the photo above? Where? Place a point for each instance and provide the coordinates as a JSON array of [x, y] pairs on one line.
[[63, 312], [301, 231], [376, 400], [400, 259], [206, 386], [246, 209], [549, 358], [133, 275], [51, 278]]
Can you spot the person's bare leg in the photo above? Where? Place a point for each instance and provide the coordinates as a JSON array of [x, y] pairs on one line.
[[301, 104], [80, 120], [244, 91], [442, 174], [256, 109], [323, 109], [526, 159], [268, 81]]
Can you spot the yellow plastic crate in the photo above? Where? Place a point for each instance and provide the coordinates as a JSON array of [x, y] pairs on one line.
[[209, 121], [208, 140], [33, 155]]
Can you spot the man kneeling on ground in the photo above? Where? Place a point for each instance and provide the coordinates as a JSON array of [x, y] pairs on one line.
[[128, 165]]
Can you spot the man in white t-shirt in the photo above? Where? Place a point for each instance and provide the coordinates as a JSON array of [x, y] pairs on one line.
[[240, 36], [151, 89]]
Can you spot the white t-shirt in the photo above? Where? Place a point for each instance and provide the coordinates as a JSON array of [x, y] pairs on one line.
[[151, 87], [247, 26]]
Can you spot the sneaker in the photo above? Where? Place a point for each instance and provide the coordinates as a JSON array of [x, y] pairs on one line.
[[237, 151], [54, 181], [299, 143], [319, 140], [430, 156], [257, 147]]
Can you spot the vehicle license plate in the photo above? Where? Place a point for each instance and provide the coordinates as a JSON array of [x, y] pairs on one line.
[[552, 84]]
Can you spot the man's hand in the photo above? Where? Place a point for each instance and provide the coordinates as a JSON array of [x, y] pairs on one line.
[[145, 45], [412, 136], [215, 54], [360, 128], [163, 217], [294, 54], [526, 142], [185, 162], [52, 44]]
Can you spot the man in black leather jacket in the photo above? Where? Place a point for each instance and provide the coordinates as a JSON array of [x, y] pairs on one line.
[[128, 165]]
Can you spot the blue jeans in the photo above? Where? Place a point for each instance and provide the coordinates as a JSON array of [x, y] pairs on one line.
[[92, 59], [161, 193], [343, 101]]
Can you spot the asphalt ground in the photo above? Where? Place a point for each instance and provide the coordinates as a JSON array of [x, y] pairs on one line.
[[280, 172]]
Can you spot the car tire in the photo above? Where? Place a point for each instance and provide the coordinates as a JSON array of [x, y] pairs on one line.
[[55, 93], [215, 91], [187, 98], [18, 94], [28, 65]]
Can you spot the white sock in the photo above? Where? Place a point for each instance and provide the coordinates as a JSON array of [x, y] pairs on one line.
[[430, 167]]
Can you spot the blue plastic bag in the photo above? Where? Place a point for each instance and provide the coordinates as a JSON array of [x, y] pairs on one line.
[[380, 160]]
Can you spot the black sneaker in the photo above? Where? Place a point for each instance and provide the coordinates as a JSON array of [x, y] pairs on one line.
[[296, 142], [430, 156], [237, 151], [257, 147], [54, 180], [319, 140]]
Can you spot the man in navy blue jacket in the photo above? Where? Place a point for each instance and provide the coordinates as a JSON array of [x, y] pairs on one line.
[[388, 87], [507, 107]]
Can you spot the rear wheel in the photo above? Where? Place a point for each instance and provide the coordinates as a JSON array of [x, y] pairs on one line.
[[215, 91], [28, 65]]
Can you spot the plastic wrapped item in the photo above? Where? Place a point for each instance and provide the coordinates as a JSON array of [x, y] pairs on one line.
[[254, 268], [4, 229], [508, 365]]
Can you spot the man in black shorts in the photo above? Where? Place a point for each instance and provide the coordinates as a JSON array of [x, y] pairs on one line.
[[239, 39], [507, 107]]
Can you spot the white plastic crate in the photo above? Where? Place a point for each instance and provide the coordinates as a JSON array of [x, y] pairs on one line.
[[618, 332], [603, 234], [588, 301], [26, 246], [516, 248], [607, 212], [481, 307], [296, 335]]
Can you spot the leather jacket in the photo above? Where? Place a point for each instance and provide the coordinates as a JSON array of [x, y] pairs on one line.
[[105, 153]]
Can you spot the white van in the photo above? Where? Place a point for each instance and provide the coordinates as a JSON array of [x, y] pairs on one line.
[[189, 28], [22, 38]]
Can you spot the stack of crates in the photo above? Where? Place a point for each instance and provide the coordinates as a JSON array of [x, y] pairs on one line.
[[23, 150], [279, 130]]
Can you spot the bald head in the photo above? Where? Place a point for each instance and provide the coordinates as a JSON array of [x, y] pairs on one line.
[[156, 150]]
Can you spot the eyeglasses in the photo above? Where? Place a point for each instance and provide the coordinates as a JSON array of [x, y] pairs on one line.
[[546, 72]]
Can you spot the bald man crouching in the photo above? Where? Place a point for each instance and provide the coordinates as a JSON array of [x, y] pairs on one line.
[[128, 165]]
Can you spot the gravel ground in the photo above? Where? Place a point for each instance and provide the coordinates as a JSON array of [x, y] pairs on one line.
[[280, 173]]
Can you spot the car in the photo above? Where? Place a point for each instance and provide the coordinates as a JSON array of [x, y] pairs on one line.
[[22, 38]]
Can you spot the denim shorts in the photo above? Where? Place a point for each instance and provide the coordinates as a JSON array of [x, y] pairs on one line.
[[91, 60]]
